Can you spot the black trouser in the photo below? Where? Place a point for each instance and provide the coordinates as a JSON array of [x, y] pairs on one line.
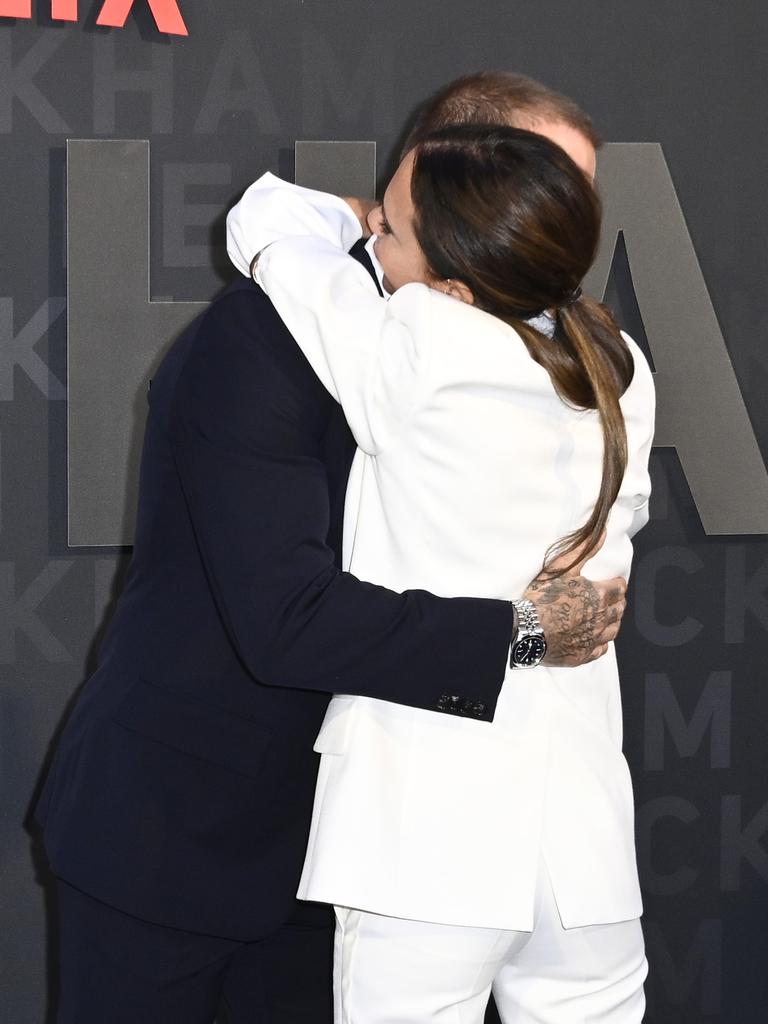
[[117, 969]]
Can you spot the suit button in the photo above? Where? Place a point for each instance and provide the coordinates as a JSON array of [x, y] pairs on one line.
[[477, 710], [448, 703]]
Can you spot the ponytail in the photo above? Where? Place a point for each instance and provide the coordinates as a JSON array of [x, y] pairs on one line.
[[590, 367]]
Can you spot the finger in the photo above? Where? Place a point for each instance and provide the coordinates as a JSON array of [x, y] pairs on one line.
[[599, 651], [611, 623], [614, 612], [613, 615], [611, 591], [610, 632]]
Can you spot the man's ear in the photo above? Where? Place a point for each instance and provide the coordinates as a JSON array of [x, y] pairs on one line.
[[458, 290]]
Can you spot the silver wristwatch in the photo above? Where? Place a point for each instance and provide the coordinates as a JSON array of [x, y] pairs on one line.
[[530, 645]]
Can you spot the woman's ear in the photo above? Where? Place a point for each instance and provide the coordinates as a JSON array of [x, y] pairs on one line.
[[458, 290]]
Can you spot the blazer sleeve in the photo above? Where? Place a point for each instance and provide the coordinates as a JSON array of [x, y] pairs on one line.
[[255, 485], [371, 354], [272, 208]]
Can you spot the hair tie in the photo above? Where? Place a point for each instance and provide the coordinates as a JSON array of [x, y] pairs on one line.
[[573, 298]]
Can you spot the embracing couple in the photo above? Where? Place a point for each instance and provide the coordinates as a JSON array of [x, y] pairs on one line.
[[481, 431]]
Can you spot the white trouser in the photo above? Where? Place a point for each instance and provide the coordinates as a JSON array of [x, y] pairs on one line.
[[394, 971]]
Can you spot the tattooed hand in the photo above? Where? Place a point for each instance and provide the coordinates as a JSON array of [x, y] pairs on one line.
[[579, 616]]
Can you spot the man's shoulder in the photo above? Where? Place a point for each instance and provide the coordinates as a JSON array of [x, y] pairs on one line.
[[229, 328], [239, 350], [245, 304], [241, 324]]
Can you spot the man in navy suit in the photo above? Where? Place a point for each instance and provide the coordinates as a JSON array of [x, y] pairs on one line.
[[177, 810]]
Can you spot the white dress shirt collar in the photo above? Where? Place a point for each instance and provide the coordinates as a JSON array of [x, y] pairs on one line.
[[376, 265]]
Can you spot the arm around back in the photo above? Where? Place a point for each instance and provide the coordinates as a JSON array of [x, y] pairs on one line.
[[245, 427]]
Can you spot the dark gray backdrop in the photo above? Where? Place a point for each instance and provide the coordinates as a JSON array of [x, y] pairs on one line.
[[228, 102]]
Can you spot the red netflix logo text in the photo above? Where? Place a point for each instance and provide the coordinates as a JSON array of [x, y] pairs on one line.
[[113, 13]]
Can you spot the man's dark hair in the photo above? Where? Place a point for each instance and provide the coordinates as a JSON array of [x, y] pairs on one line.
[[498, 97]]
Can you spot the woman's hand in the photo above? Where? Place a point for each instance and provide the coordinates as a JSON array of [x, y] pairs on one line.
[[579, 616], [361, 209]]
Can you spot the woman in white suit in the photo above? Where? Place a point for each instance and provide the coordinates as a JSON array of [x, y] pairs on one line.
[[502, 421]]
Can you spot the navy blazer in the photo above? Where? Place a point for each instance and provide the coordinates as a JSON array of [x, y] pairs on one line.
[[182, 787]]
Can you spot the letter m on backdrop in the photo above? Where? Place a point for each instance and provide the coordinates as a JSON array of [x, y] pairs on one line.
[[113, 13]]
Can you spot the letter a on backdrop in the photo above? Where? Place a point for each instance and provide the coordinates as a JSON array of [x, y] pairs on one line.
[[165, 12], [700, 411]]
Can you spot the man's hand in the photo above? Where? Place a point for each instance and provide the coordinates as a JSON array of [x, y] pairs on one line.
[[361, 209], [579, 616]]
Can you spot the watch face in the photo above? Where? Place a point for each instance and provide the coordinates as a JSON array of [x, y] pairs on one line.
[[529, 650]]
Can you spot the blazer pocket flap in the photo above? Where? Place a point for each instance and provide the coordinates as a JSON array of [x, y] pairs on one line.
[[194, 727], [333, 737]]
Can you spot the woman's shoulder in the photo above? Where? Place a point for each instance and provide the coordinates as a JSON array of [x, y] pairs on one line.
[[426, 308], [469, 345]]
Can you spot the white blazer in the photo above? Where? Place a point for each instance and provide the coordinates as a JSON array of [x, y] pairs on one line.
[[469, 466]]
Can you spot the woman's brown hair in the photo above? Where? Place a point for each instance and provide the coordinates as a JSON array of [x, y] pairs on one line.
[[508, 213]]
